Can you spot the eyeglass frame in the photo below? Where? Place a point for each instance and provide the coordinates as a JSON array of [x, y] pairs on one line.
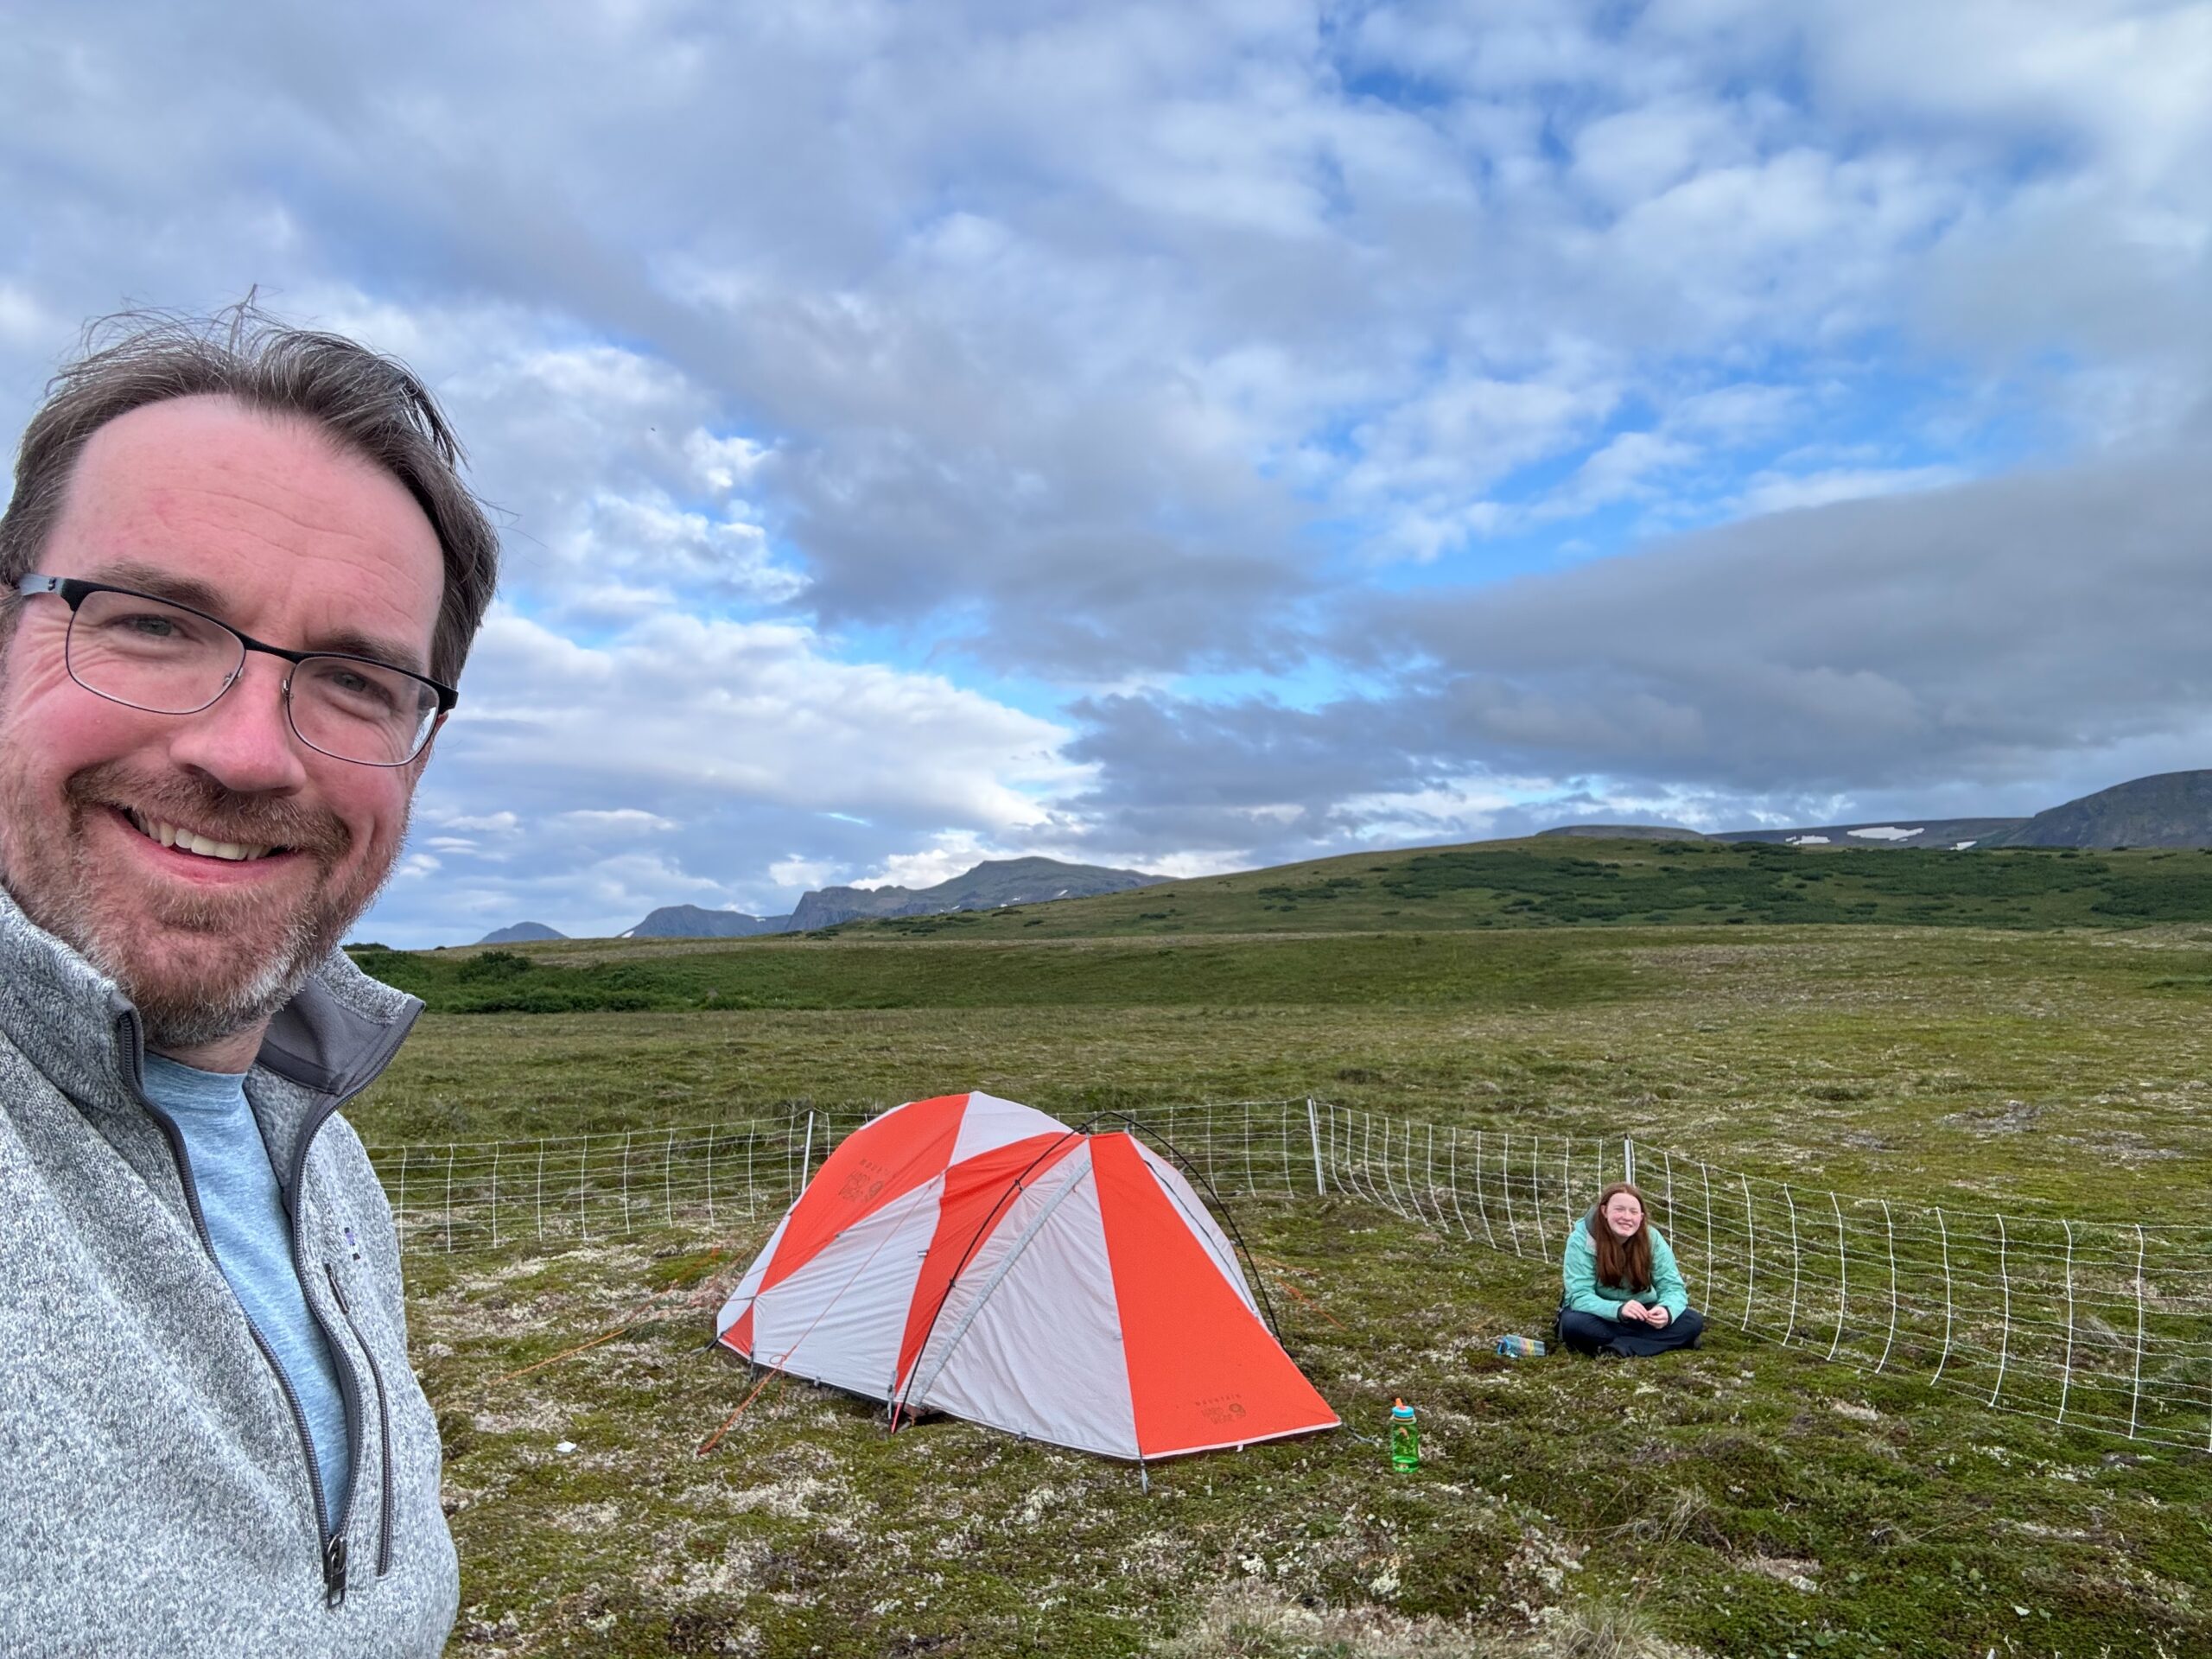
[[74, 591]]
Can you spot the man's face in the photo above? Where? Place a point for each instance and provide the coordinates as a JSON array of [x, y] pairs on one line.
[[264, 523]]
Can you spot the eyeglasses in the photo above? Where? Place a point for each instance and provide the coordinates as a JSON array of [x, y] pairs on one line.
[[167, 658]]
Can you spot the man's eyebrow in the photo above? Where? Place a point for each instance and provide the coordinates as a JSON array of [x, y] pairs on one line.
[[155, 582], [347, 642]]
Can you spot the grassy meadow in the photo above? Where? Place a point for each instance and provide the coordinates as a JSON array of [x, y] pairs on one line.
[[2027, 1029]]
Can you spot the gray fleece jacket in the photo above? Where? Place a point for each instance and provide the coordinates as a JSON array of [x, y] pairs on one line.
[[158, 1494]]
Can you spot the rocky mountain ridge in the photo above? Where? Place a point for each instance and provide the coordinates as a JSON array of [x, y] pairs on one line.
[[991, 885]]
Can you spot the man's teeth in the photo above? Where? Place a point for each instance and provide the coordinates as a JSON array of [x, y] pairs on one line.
[[186, 841]]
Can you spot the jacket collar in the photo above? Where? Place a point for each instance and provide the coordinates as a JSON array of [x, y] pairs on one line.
[[76, 1026]]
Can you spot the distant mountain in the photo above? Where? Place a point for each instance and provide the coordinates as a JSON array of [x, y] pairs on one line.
[[2173, 808], [1623, 832], [521, 933], [991, 885], [690, 922], [1954, 834]]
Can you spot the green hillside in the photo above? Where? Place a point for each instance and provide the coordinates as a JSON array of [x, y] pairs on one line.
[[1550, 883], [1397, 928]]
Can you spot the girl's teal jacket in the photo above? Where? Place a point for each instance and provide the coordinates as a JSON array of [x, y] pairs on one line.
[[1585, 1295]]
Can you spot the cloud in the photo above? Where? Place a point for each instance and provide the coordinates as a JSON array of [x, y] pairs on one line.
[[627, 820], [1270, 366], [1971, 631], [724, 746], [1773, 491]]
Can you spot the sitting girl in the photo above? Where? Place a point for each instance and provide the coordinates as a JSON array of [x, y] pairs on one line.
[[1624, 1295]]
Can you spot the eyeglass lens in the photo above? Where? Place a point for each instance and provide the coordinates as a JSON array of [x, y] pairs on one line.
[[149, 655]]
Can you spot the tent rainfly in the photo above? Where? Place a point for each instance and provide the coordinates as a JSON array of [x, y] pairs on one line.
[[970, 1255]]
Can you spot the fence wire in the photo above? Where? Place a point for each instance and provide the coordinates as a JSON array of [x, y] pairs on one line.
[[2107, 1325]]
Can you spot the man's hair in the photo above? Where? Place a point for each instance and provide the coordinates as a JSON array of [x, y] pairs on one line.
[[371, 405]]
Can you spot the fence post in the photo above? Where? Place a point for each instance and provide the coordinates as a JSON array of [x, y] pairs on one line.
[[668, 1181], [805, 1156], [1505, 1185], [1481, 1209], [2004, 1330], [541, 1190], [1537, 1195], [1628, 1165], [1890, 1233], [1751, 1248], [2066, 1377], [1452, 1180], [1704, 1174], [1796, 1257], [1429, 1137], [1566, 1184], [626, 1181], [1842, 1273], [448, 1198], [1943, 1242], [2135, 1402], [583, 1163], [400, 1226], [1313, 1133], [710, 1174], [495, 1193]]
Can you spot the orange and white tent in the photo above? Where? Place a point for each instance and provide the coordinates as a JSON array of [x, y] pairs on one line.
[[969, 1255]]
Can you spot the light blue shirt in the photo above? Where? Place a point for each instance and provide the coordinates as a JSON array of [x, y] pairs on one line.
[[244, 1212]]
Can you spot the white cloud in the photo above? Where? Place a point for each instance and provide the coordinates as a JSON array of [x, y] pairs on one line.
[[1785, 491], [946, 856], [627, 820], [499, 824], [797, 872]]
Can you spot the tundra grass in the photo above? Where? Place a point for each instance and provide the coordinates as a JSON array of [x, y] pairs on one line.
[[2066, 1068], [1742, 1499], [1738, 1500]]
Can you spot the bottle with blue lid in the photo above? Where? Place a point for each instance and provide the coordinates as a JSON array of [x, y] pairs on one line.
[[1405, 1437]]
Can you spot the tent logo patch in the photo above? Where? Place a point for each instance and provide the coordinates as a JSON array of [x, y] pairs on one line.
[[865, 1181]]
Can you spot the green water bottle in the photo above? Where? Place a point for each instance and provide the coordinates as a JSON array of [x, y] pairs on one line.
[[1405, 1437]]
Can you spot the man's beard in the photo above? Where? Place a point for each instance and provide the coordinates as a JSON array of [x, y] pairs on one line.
[[243, 956]]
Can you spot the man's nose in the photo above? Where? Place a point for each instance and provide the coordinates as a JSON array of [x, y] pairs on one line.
[[244, 741]]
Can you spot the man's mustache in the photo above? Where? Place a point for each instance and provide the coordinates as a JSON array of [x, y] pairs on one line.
[[206, 807]]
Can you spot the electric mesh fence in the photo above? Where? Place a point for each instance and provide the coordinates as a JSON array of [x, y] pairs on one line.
[[2103, 1324]]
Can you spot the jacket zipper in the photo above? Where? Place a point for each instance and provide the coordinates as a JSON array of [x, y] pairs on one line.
[[384, 1423], [330, 1541]]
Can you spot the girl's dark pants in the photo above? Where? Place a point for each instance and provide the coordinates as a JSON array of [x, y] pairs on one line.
[[1589, 1333]]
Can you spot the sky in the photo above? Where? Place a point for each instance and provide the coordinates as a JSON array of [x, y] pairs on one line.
[[1199, 436]]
